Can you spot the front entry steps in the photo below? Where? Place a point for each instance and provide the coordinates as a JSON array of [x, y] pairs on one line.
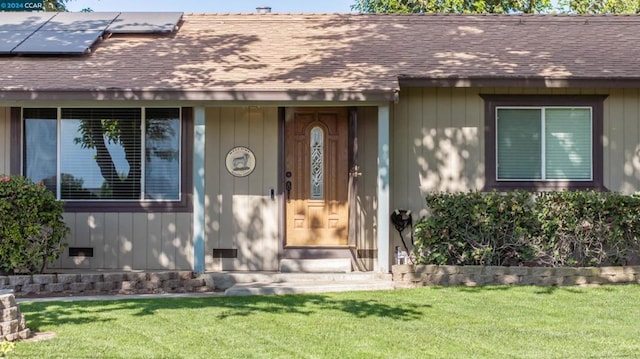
[[269, 283], [333, 265]]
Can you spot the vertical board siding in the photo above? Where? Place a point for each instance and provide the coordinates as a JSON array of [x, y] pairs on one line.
[[96, 225], [130, 241], [240, 213], [111, 246], [366, 198], [213, 201], [437, 144], [169, 250], [473, 139], [183, 241], [124, 246], [154, 240], [82, 238], [5, 140], [140, 245], [225, 142], [438, 140], [269, 162], [614, 135], [622, 140]]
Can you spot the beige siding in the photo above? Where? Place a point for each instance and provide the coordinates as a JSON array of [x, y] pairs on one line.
[[240, 213], [366, 198], [437, 144], [438, 140], [130, 241], [622, 140], [5, 140]]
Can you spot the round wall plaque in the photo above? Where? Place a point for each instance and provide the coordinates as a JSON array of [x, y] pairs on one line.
[[240, 161]]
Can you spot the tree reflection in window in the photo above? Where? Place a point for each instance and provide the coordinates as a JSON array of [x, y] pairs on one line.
[[108, 153]]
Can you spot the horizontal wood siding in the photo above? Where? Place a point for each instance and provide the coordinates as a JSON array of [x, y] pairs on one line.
[[5, 140], [240, 213], [438, 140], [130, 241]]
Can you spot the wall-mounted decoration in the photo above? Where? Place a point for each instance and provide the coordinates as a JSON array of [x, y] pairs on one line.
[[240, 161]]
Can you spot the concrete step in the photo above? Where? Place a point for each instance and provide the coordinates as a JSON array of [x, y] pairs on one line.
[[331, 265], [307, 287], [226, 280]]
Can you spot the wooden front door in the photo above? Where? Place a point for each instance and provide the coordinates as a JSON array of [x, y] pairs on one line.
[[316, 177]]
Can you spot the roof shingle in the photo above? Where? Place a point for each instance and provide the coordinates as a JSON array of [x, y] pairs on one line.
[[339, 52]]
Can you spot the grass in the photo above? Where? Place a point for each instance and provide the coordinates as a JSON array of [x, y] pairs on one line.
[[452, 322]]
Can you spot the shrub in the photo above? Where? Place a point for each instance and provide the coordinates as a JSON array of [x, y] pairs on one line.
[[588, 228], [476, 228], [581, 228], [31, 226]]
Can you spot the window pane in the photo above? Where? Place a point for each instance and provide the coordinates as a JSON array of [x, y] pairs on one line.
[[317, 163], [162, 154], [100, 154], [40, 153], [519, 143], [568, 143]]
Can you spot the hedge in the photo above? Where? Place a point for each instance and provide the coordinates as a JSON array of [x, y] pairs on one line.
[[568, 228]]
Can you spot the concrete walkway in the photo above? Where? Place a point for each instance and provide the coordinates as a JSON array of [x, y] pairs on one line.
[[257, 283], [77, 298], [268, 283]]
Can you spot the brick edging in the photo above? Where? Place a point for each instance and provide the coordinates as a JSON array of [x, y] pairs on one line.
[[445, 275], [105, 283]]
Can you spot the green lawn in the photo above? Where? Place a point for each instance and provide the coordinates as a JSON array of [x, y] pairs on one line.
[[454, 322]]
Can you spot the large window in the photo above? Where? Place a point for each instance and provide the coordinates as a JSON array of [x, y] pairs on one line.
[[543, 142], [106, 154]]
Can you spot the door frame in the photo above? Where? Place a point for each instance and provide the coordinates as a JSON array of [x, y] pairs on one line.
[[310, 252]]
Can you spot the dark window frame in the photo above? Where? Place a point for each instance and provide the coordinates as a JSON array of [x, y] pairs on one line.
[[185, 204], [595, 102]]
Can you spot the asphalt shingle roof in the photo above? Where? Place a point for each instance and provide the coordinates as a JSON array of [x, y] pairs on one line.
[[338, 52]]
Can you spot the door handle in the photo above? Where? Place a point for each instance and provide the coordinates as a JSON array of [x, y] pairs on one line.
[[288, 188]]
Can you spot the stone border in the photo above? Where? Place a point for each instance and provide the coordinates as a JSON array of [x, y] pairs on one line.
[[12, 324], [407, 275], [63, 284]]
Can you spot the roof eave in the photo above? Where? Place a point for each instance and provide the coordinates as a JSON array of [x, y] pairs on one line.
[[520, 81], [276, 95]]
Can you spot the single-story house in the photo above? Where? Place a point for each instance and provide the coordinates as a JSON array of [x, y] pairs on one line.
[[216, 142]]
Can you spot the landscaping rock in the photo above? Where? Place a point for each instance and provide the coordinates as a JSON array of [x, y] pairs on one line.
[[12, 323]]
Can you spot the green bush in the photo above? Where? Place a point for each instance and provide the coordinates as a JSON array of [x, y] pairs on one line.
[[476, 228], [588, 228], [581, 228], [31, 226]]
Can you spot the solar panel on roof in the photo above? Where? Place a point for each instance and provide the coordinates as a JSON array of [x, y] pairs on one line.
[[10, 21], [59, 42], [145, 22], [75, 21], [75, 32], [10, 39]]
